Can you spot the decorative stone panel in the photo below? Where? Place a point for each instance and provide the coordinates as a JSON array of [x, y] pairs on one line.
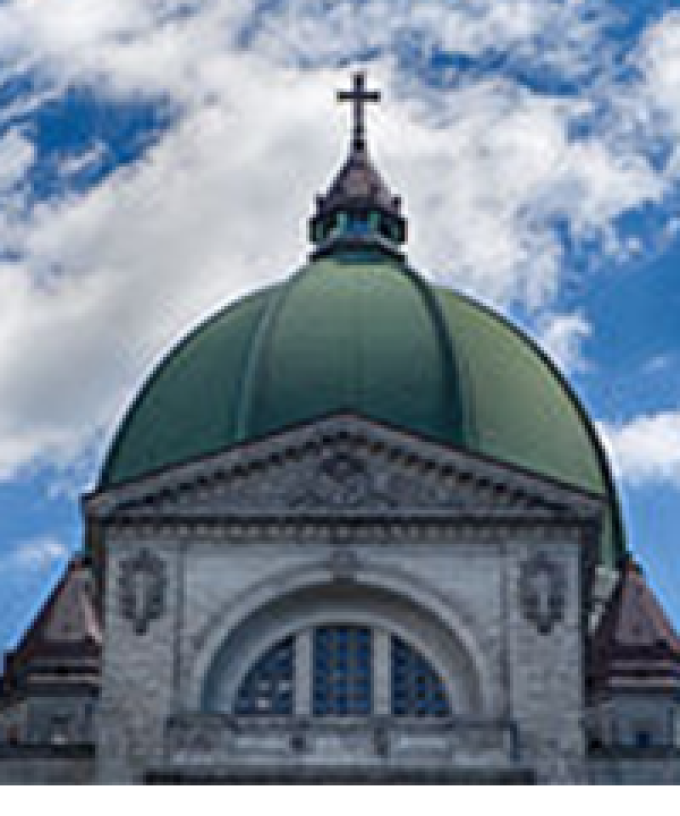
[[142, 585]]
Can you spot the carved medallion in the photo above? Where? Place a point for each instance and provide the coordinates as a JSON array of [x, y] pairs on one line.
[[344, 479], [142, 584], [542, 590], [341, 479]]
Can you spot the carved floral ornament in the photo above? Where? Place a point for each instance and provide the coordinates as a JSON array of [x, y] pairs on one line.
[[340, 479], [142, 584], [542, 591], [341, 473], [346, 479]]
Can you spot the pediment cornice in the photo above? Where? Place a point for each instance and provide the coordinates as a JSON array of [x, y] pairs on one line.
[[343, 467]]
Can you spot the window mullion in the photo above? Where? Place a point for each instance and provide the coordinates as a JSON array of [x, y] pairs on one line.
[[382, 679], [303, 673]]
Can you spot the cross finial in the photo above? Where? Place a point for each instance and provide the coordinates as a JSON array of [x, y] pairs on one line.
[[358, 96]]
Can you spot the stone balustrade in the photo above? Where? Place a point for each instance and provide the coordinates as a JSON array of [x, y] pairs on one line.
[[205, 739]]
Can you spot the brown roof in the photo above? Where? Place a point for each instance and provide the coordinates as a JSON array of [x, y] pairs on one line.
[[359, 183], [634, 646], [64, 641]]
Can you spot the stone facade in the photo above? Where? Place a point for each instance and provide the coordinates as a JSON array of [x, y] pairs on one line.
[[481, 567], [47, 765], [487, 572], [635, 768], [50, 688], [342, 601], [633, 716]]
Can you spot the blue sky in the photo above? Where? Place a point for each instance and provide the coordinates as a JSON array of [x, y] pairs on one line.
[[159, 158]]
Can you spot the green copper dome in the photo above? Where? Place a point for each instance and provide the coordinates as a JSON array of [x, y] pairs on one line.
[[362, 333], [357, 331]]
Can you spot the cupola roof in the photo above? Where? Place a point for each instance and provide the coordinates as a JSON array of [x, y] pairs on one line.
[[358, 211]]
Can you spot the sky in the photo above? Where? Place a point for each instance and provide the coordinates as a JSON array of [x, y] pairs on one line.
[[159, 158]]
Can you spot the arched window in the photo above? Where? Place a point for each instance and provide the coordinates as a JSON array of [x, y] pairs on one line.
[[417, 691], [343, 671], [268, 688], [339, 668]]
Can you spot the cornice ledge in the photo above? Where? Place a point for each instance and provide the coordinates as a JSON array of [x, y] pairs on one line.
[[344, 467]]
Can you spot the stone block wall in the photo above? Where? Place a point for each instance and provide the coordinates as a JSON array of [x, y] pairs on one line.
[[654, 768], [639, 720], [546, 663], [47, 765], [467, 580], [137, 666]]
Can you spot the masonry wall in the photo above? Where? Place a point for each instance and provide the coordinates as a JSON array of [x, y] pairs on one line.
[[636, 720], [547, 687], [13, 721], [137, 670], [460, 577], [60, 718], [635, 770], [468, 578], [46, 765]]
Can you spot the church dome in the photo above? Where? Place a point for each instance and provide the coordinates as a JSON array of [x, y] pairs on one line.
[[357, 331], [362, 333]]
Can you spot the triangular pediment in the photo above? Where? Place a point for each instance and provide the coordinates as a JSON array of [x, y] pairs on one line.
[[343, 466]]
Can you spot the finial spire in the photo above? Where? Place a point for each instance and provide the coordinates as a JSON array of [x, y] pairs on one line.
[[358, 212], [358, 96]]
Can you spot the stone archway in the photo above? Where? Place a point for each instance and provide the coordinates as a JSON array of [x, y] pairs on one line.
[[245, 623], [384, 612], [210, 737]]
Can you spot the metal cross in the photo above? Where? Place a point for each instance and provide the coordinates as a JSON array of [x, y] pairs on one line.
[[358, 96]]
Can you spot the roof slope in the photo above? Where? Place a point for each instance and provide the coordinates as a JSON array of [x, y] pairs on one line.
[[635, 645], [63, 644]]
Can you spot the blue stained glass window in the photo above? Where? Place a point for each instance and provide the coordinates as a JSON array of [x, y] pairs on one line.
[[417, 690], [343, 671], [267, 690]]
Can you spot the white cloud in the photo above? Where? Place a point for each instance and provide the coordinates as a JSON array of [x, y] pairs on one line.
[[646, 450], [38, 554], [562, 336], [109, 278], [88, 159], [306, 30], [653, 105], [16, 158], [659, 60]]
